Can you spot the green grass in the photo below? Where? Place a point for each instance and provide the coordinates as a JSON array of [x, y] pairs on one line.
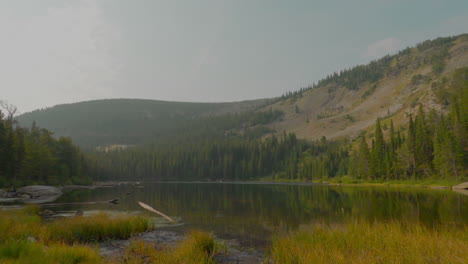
[[347, 180], [25, 251], [408, 182], [363, 242], [197, 248]]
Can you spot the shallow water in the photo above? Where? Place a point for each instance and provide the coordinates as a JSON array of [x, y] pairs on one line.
[[252, 213]]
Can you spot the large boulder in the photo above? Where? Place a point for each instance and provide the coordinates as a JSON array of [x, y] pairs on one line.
[[40, 193]]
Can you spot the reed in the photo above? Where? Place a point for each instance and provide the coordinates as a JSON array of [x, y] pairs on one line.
[[95, 228]]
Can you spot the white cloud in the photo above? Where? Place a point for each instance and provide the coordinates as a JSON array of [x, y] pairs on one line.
[[382, 48], [58, 54]]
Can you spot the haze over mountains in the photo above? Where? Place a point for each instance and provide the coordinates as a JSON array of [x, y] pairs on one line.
[[341, 105]]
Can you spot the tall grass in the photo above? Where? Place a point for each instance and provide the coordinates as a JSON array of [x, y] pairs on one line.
[[95, 228], [363, 242], [21, 224], [27, 252], [198, 248], [25, 238]]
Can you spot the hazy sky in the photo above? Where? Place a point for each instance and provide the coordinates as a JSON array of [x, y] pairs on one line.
[[58, 51]]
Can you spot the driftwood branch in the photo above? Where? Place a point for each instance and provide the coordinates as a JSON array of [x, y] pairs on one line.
[[151, 209]]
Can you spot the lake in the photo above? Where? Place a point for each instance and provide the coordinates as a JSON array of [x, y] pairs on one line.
[[252, 213]]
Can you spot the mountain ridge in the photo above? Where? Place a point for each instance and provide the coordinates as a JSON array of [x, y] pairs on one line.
[[342, 105]]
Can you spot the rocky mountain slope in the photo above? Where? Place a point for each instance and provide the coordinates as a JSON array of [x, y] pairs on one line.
[[413, 77]]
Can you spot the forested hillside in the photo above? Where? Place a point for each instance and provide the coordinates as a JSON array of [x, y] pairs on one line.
[[430, 145], [129, 121]]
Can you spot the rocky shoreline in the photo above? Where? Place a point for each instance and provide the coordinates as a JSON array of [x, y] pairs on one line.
[[32, 194], [235, 254]]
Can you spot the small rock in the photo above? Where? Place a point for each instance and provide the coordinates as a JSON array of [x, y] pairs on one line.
[[11, 195], [47, 213], [40, 193], [25, 196], [40, 190], [114, 201]]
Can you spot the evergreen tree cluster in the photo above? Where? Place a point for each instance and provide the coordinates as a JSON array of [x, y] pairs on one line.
[[430, 52], [433, 145], [296, 94], [226, 159], [33, 156]]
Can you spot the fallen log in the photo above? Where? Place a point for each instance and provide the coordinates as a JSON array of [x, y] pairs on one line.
[[151, 209]]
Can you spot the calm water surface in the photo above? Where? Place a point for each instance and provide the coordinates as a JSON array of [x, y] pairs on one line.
[[252, 213]]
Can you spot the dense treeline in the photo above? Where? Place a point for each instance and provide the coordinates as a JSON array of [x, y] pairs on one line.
[[433, 145], [239, 158], [228, 159], [33, 156]]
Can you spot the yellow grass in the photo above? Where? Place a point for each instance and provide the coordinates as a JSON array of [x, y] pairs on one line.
[[95, 228], [362, 242]]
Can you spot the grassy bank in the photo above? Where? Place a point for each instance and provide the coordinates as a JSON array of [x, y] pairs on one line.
[[346, 180], [363, 242], [409, 182], [26, 238]]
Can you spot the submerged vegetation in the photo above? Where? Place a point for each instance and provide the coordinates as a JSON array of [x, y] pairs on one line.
[[363, 242]]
